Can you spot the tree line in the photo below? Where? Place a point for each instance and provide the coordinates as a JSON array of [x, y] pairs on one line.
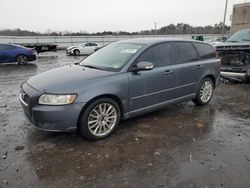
[[180, 28]]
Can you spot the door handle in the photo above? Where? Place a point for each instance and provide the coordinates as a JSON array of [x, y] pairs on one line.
[[167, 72], [199, 67]]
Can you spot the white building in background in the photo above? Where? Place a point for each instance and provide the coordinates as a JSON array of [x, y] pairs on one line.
[[240, 17]]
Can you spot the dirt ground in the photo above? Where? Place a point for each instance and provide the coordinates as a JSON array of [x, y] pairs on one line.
[[180, 146]]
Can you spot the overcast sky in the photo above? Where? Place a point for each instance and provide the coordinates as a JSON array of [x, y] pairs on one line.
[[114, 15]]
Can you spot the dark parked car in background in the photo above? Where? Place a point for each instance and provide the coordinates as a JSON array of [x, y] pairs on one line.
[[122, 80], [235, 56], [15, 53]]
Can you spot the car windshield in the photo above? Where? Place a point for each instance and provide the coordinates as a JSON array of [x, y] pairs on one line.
[[112, 57], [240, 36]]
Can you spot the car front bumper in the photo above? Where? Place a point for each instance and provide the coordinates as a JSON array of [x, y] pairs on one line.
[[62, 118], [237, 76], [69, 52]]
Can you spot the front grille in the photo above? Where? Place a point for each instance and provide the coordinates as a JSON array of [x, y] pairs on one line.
[[25, 97], [233, 47]]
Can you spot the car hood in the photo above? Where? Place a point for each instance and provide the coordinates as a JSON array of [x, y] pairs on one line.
[[71, 47], [65, 77]]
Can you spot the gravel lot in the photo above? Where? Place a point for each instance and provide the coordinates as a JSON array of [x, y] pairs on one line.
[[180, 146]]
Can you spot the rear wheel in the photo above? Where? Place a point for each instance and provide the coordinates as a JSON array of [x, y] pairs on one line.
[[22, 60], [205, 92], [76, 52], [100, 119]]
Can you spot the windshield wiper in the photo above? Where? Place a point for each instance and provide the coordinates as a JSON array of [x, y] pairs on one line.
[[93, 67], [78, 63]]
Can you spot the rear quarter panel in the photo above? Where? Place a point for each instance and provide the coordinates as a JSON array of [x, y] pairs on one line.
[[15, 52], [211, 67]]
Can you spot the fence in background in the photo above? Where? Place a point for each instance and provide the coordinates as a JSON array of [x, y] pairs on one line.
[[65, 41]]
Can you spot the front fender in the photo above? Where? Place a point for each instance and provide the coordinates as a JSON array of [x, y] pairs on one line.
[[112, 85]]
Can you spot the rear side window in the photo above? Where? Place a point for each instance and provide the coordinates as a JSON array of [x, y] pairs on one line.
[[92, 44], [184, 52], [1, 47], [205, 50], [160, 55], [9, 47], [4, 47]]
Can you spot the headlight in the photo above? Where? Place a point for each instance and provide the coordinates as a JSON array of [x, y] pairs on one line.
[[51, 99]]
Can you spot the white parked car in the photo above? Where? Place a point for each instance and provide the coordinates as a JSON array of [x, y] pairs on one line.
[[84, 49]]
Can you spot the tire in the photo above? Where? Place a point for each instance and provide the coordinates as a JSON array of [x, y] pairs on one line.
[[76, 52], [100, 119], [22, 60], [205, 92]]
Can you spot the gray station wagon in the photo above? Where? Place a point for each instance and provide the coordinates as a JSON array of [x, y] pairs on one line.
[[120, 81]]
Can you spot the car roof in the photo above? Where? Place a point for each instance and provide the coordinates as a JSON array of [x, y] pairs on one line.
[[151, 41]]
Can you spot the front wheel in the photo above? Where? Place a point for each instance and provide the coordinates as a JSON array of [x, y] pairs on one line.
[[205, 92], [100, 119], [76, 52], [22, 60]]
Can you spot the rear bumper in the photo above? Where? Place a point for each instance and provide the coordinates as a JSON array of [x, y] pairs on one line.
[[32, 57]]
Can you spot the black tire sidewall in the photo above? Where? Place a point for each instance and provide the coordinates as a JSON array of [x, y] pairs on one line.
[[76, 51], [198, 100], [21, 63], [84, 119]]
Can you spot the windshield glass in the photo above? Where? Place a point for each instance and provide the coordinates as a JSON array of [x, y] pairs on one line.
[[240, 36], [112, 57]]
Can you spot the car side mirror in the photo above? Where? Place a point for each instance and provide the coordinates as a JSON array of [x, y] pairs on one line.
[[143, 66]]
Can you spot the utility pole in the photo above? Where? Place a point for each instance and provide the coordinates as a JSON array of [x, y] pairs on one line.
[[224, 20], [155, 29]]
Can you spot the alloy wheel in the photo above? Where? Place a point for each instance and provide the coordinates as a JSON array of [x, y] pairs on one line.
[[206, 91], [102, 119], [22, 60]]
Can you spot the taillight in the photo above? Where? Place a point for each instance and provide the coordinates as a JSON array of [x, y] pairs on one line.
[[32, 51]]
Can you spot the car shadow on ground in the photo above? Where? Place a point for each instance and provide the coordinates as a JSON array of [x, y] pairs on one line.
[[134, 143]]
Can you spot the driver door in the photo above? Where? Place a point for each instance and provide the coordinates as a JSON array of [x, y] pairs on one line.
[[152, 87]]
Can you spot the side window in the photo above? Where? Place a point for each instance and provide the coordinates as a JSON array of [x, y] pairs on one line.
[[205, 50], [9, 47], [160, 55], [184, 52], [92, 44], [3, 47]]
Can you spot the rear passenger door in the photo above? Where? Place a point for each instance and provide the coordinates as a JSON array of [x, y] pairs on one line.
[[10, 53], [147, 88], [188, 68], [93, 46], [89, 48], [3, 53]]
